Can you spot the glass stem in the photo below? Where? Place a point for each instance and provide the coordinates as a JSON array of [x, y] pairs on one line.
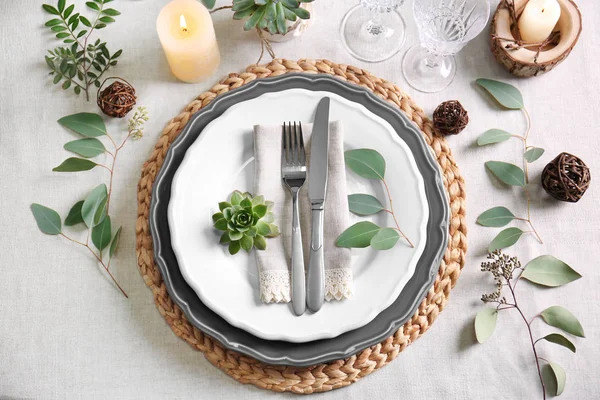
[[433, 60], [374, 26]]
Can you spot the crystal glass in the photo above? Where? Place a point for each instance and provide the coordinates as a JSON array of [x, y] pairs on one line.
[[445, 27], [373, 31]]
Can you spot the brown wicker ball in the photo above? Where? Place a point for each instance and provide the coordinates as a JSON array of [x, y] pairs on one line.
[[117, 99], [450, 118], [566, 178]]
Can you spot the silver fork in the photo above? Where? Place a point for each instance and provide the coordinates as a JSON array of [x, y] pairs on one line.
[[293, 173]]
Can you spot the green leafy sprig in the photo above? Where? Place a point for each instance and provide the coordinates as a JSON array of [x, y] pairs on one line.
[[245, 221], [93, 211], [544, 271], [509, 98], [369, 164], [80, 63]]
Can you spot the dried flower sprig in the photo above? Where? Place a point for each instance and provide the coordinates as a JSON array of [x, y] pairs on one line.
[[81, 63], [93, 211], [545, 271], [510, 98], [135, 125]]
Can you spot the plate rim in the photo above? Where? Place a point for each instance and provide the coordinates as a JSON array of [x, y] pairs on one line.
[[158, 189], [373, 311]]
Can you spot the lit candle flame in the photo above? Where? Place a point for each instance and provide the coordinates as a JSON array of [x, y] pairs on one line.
[[183, 24]]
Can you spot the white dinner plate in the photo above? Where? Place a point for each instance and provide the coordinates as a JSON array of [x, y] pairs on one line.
[[221, 160]]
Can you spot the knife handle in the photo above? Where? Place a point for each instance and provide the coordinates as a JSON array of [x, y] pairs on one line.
[[298, 275], [315, 291]]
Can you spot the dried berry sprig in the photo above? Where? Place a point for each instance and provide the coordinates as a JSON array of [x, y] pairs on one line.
[[545, 271]]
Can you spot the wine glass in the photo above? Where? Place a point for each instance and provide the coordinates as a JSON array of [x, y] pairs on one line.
[[445, 27], [373, 31]]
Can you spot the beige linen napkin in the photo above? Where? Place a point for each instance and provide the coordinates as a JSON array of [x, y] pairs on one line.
[[274, 263]]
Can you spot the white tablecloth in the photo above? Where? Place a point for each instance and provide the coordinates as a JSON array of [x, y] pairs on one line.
[[66, 332]]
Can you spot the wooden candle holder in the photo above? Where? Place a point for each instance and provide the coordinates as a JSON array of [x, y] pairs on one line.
[[532, 59]]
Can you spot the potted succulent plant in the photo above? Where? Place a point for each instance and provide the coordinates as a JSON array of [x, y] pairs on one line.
[[274, 20]]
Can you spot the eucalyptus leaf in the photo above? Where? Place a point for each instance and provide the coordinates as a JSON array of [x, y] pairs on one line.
[[364, 204], [115, 243], [47, 219], [74, 217], [385, 239], [505, 94], [92, 203], [485, 323], [496, 217], [493, 136], [88, 147], [533, 154], [209, 3], [101, 211], [549, 271], [505, 238], [367, 163], [560, 376], [86, 124], [358, 235], [74, 164], [101, 234], [561, 318], [560, 340], [507, 173]]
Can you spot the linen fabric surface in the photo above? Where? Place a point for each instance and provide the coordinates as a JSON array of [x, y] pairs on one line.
[[274, 264], [67, 333]]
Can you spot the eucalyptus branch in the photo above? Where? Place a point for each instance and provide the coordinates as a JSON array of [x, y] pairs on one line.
[[544, 271], [369, 164], [510, 98], [93, 211]]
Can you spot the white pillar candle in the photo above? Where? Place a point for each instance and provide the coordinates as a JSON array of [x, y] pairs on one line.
[[188, 39], [538, 20]]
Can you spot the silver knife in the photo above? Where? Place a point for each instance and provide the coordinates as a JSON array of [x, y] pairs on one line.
[[317, 187]]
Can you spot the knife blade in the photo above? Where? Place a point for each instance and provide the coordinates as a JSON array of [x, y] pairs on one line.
[[317, 188]]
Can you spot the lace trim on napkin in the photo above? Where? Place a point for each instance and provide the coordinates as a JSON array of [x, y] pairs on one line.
[[275, 286], [338, 284]]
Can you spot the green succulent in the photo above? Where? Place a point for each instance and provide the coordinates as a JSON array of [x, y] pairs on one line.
[[266, 14], [246, 222]]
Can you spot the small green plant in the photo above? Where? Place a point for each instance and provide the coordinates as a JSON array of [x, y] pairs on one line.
[[369, 164], [544, 271], [80, 63], [93, 211], [246, 222], [509, 98]]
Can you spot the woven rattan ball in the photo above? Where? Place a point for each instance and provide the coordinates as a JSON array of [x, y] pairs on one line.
[[117, 99], [566, 178], [450, 118]]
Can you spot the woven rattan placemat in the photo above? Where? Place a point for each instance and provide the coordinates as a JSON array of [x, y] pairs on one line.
[[335, 374]]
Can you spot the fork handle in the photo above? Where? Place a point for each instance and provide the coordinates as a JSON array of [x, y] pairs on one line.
[[316, 263], [298, 280]]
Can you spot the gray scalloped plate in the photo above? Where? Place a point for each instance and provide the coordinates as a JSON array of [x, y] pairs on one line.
[[320, 351]]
